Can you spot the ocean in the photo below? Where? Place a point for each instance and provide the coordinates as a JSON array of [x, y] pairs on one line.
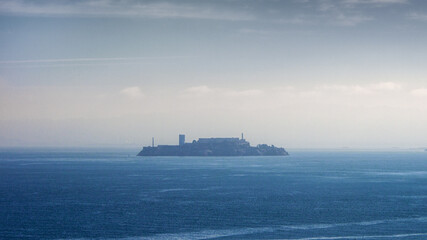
[[112, 194]]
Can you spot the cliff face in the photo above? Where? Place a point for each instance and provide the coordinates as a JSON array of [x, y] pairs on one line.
[[214, 147]]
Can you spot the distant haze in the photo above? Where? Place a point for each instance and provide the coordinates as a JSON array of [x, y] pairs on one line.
[[297, 73]]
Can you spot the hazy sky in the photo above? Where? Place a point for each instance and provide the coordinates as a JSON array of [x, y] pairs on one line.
[[296, 73]]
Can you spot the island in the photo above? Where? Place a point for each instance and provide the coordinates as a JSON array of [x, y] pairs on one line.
[[213, 147]]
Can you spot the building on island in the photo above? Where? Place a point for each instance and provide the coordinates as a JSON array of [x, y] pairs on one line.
[[213, 147]]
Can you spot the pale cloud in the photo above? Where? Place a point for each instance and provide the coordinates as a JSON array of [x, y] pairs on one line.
[[343, 89], [347, 89], [245, 93], [348, 12], [420, 92], [198, 91], [418, 16], [256, 31], [386, 86], [375, 1], [132, 92], [221, 92], [364, 89], [351, 20], [125, 8], [325, 6], [335, 13], [298, 20], [329, 5]]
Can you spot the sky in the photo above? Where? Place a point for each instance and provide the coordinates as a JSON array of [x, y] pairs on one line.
[[296, 73]]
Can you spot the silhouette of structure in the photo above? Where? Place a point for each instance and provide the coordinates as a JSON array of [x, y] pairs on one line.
[[213, 147], [181, 139]]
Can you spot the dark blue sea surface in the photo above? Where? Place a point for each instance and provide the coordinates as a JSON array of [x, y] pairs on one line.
[[88, 194]]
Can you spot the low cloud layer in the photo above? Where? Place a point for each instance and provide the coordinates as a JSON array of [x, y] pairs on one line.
[[384, 114], [132, 92], [336, 13], [126, 8]]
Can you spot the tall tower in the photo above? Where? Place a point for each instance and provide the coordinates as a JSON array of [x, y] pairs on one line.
[[181, 139], [242, 137], [152, 141]]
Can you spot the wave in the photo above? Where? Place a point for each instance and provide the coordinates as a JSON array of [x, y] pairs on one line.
[[400, 173], [363, 223], [187, 189], [173, 190], [206, 234], [210, 234], [412, 196], [361, 237]]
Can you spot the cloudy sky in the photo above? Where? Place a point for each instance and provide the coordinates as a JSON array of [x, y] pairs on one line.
[[296, 73]]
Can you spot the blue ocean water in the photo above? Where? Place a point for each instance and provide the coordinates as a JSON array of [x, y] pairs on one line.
[[82, 194]]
